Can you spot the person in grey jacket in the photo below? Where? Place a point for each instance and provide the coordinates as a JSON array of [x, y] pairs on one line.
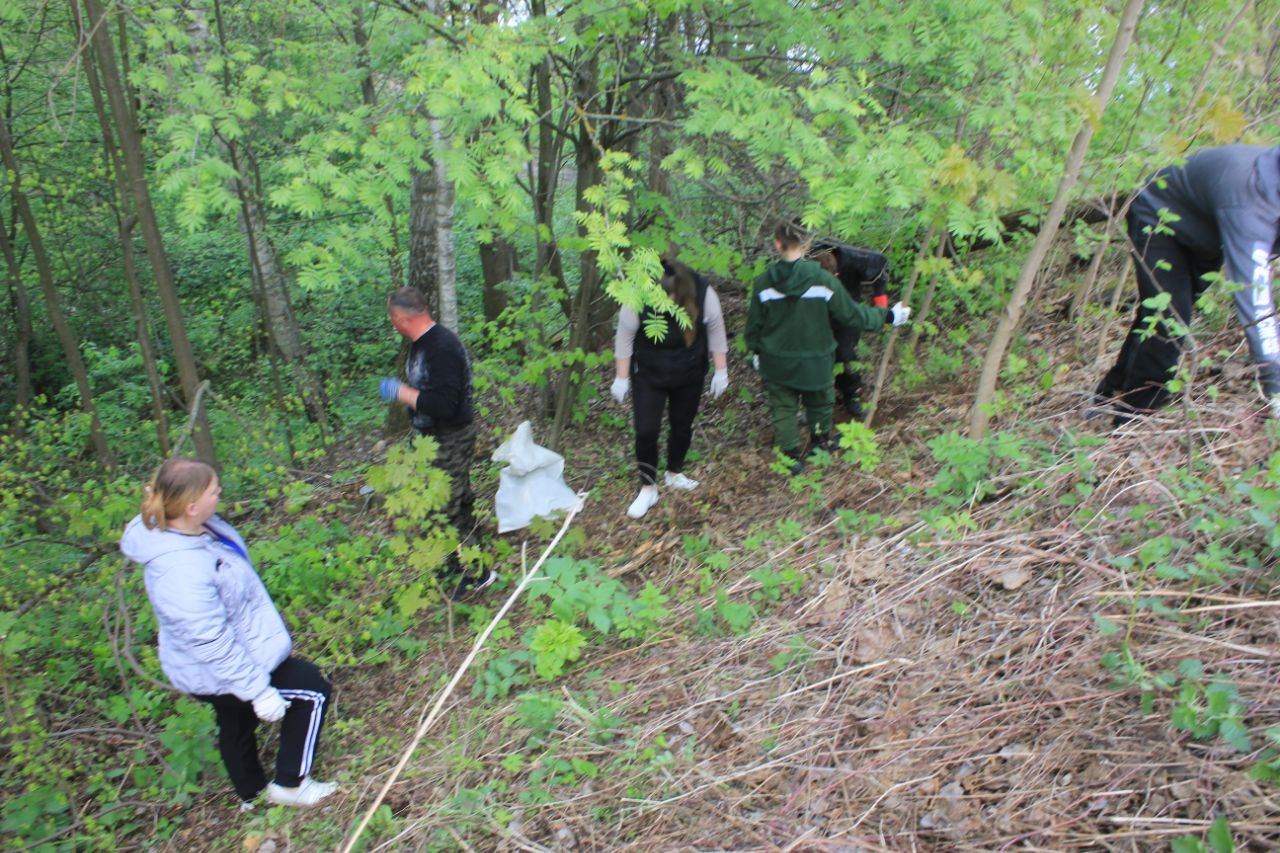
[[1224, 202], [222, 639]]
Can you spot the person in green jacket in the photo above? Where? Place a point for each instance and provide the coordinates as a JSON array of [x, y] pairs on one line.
[[793, 305]]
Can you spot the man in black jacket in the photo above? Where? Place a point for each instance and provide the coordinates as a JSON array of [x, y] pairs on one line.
[[1221, 202], [438, 395]]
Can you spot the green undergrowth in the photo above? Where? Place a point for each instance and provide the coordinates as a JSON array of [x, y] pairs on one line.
[[100, 750]]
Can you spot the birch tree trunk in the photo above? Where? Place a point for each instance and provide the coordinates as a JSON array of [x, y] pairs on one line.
[[980, 415], [424, 274], [446, 263]]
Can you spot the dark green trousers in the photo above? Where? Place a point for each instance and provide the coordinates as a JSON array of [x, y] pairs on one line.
[[785, 402]]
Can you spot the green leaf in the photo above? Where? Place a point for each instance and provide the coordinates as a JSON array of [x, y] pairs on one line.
[[1220, 840]]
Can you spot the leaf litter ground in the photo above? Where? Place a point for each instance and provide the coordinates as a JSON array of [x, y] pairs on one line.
[[948, 694]]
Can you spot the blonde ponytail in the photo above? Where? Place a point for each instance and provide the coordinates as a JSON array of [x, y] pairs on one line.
[[176, 484]]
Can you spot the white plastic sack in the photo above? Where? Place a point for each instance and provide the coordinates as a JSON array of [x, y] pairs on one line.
[[532, 484]]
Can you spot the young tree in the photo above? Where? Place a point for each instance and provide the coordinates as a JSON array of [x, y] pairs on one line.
[[980, 414]]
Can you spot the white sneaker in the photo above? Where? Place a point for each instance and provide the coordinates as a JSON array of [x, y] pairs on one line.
[[678, 480], [644, 502], [308, 793]]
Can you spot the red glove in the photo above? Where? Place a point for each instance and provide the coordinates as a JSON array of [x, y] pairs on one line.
[[880, 300]]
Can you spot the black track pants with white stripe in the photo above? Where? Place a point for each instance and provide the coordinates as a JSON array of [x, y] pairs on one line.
[[307, 692]]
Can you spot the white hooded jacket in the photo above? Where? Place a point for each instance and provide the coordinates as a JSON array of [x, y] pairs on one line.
[[219, 630]]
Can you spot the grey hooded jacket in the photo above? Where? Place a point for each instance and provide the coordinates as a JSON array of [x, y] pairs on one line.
[[219, 630], [1227, 201]]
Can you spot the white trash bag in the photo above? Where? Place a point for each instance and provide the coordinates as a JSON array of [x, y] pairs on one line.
[[532, 484]]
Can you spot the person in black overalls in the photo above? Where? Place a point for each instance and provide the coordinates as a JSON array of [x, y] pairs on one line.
[[855, 268], [667, 374], [1222, 204]]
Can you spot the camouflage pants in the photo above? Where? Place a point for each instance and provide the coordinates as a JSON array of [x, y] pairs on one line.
[[457, 448]]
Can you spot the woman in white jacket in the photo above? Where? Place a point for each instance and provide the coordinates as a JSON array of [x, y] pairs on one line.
[[221, 638]]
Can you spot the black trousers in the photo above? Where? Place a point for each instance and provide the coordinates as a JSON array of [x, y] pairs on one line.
[[301, 684], [648, 402], [1144, 365], [849, 382]]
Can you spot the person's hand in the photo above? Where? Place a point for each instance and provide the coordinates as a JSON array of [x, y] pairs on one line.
[[719, 382], [270, 705], [899, 313], [755, 363], [621, 385], [389, 389]]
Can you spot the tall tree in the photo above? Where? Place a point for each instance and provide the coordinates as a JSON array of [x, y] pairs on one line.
[[267, 270], [125, 222], [135, 166]]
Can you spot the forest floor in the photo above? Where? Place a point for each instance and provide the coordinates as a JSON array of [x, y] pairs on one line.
[[918, 671]]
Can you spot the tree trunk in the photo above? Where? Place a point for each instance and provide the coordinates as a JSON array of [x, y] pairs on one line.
[[424, 273], [545, 182], [369, 95], [280, 320], [143, 334], [125, 222], [926, 305], [580, 319], [446, 263], [499, 263], [70, 346], [131, 148], [885, 360], [980, 415], [22, 323]]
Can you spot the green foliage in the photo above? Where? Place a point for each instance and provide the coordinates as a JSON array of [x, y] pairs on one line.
[[968, 465], [415, 493], [581, 605], [554, 644], [859, 446], [1209, 710], [1217, 840]]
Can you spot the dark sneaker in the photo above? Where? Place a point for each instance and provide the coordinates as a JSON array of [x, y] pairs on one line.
[[855, 410], [470, 585], [819, 442]]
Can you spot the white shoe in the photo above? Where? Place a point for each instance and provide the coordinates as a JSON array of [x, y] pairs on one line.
[[678, 480], [644, 502], [308, 793]]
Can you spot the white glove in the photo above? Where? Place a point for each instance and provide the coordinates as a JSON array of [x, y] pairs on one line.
[[270, 705], [899, 313], [719, 383], [755, 363], [1274, 404], [619, 388]]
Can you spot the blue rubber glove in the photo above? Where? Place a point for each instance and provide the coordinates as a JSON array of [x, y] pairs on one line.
[[389, 389]]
